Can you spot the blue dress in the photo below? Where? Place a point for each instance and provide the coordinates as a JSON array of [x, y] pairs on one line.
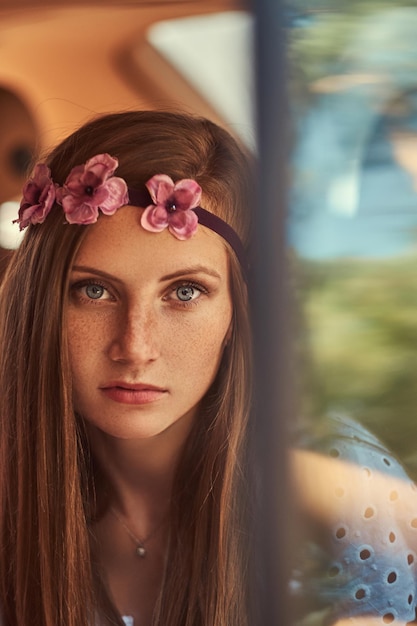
[[359, 558]]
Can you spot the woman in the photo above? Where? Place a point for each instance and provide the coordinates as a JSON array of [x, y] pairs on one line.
[[125, 380]]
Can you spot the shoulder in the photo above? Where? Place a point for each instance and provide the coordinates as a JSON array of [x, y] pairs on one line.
[[363, 507]]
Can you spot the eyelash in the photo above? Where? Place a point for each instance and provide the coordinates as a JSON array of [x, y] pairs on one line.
[[76, 289], [186, 303]]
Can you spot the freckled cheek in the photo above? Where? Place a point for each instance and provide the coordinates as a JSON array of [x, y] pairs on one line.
[[84, 338], [76, 349], [197, 353]]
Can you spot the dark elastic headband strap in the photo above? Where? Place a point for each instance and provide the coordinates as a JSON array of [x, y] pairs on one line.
[[222, 228], [142, 198]]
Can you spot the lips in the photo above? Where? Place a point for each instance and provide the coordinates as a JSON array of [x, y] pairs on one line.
[[132, 393]]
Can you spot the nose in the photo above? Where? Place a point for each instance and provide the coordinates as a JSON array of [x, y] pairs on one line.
[[135, 338]]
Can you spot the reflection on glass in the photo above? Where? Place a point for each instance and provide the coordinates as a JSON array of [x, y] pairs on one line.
[[353, 225], [353, 234]]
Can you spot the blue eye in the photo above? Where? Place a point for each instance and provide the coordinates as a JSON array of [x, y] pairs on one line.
[[185, 293], [94, 291], [90, 291]]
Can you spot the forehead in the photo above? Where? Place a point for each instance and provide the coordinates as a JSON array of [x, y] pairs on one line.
[[119, 244]]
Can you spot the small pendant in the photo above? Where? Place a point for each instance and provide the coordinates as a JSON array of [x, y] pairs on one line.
[[140, 551]]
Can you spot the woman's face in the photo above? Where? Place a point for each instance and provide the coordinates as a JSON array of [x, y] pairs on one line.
[[147, 320]]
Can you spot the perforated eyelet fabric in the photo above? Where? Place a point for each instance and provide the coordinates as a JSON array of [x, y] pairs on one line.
[[371, 537]]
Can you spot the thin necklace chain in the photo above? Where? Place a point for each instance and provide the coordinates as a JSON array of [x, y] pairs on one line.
[[140, 549]]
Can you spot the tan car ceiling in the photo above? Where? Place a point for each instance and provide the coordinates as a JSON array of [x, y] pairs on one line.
[[69, 61]]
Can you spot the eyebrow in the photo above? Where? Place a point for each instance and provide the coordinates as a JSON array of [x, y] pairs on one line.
[[85, 269], [194, 269]]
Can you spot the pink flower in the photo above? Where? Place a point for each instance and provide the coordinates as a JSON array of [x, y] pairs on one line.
[[172, 208], [90, 188], [38, 197]]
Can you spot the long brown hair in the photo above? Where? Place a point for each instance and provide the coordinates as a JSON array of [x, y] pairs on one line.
[[47, 574]]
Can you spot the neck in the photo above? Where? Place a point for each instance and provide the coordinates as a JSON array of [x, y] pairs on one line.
[[140, 472], [139, 475]]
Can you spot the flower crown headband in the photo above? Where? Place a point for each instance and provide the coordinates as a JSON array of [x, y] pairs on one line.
[[92, 187]]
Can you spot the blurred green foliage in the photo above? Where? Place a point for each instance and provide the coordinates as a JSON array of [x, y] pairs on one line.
[[359, 345]]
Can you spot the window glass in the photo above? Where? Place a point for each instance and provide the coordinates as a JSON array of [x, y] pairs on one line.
[[353, 211], [353, 237]]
